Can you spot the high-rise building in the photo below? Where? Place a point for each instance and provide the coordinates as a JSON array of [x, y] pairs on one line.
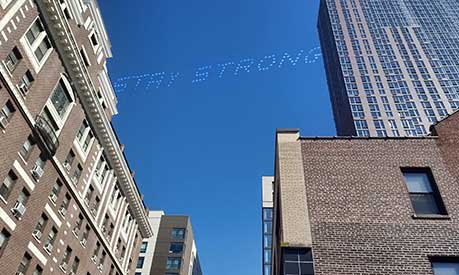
[[392, 65], [267, 222], [367, 205], [68, 200], [172, 248]]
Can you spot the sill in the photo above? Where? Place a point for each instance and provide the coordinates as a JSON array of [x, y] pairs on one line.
[[3, 200], [430, 217]]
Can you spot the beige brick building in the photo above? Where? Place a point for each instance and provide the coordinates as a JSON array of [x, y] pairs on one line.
[[357, 205], [68, 201]]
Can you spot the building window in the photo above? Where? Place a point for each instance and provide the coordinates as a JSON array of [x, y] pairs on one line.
[[6, 113], [38, 270], [176, 248], [178, 233], [61, 99], [424, 193], [65, 205], [24, 264], [140, 262], [50, 240], [4, 238], [38, 169], [448, 267], [26, 148], [12, 59], [55, 191], [77, 174], [66, 258], [173, 263], [26, 82], [75, 265], [69, 160], [38, 42], [297, 261], [40, 227], [8, 184], [143, 247]]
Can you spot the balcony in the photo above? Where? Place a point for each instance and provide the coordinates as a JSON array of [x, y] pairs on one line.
[[47, 134]]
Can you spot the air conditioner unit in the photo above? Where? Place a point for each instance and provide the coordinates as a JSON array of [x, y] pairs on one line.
[[48, 247], [63, 211], [93, 212], [53, 197], [83, 242], [9, 64], [94, 258], [37, 172], [63, 266], [100, 266], [3, 121], [19, 273], [67, 165], [37, 234], [18, 209]]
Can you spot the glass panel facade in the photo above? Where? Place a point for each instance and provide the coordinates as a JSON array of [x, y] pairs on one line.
[[267, 217]]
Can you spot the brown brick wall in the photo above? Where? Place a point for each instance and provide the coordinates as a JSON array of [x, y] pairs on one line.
[[360, 210]]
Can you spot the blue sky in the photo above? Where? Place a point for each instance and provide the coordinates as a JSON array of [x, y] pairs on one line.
[[201, 148]]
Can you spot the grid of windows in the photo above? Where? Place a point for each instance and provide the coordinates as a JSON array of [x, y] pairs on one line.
[[399, 60], [267, 239], [297, 261]]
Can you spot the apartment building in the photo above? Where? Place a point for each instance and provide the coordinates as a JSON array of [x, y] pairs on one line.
[[392, 65], [172, 251], [367, 205], [68, 200], [267, 222]]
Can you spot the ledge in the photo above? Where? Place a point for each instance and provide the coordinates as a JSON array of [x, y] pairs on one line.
[[431, 217]]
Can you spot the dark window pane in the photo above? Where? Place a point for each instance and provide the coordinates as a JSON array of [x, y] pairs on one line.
[[291, 254], [418, 182], [307, 269], [424, 204], [291, 268], [305, 255]]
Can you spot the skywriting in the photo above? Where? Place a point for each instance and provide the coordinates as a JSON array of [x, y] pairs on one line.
[[157, 80]]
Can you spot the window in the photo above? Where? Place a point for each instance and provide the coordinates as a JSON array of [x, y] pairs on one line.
[[93, 39], [66, 258], [12, 59], [55, 191], [143, 247], [26, 82], [50, 240], [178, 233], [38, 270], [38, 42], [268, 214], [4, 238], [77, 174], [75, 264], [61, 99], [173, 263], [65, 205], [297, 261], [8, 184], [424, 194], [267, 227], [69, 160], [24, 264], [140, 262], [176, 248], [82, 130], [6, 113], [40, 226], [26, 148], [89, 193], [84, 56], [445, 268]]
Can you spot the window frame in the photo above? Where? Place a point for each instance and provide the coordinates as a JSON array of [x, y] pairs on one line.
[[31, 48], [442, 211]]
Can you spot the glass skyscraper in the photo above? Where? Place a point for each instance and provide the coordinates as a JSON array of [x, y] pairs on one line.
[[267, 222], [392, 65]]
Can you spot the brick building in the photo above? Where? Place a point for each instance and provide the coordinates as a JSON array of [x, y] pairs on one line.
[[358, 205], [68, 200], [172, 248]]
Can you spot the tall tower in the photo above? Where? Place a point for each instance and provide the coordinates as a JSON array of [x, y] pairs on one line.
[[392, 65], [267, 221]]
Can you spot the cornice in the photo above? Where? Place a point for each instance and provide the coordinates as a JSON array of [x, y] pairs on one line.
[[68, 49]]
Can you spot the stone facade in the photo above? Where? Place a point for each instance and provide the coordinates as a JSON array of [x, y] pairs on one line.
[[361, 216], [73, 172]]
